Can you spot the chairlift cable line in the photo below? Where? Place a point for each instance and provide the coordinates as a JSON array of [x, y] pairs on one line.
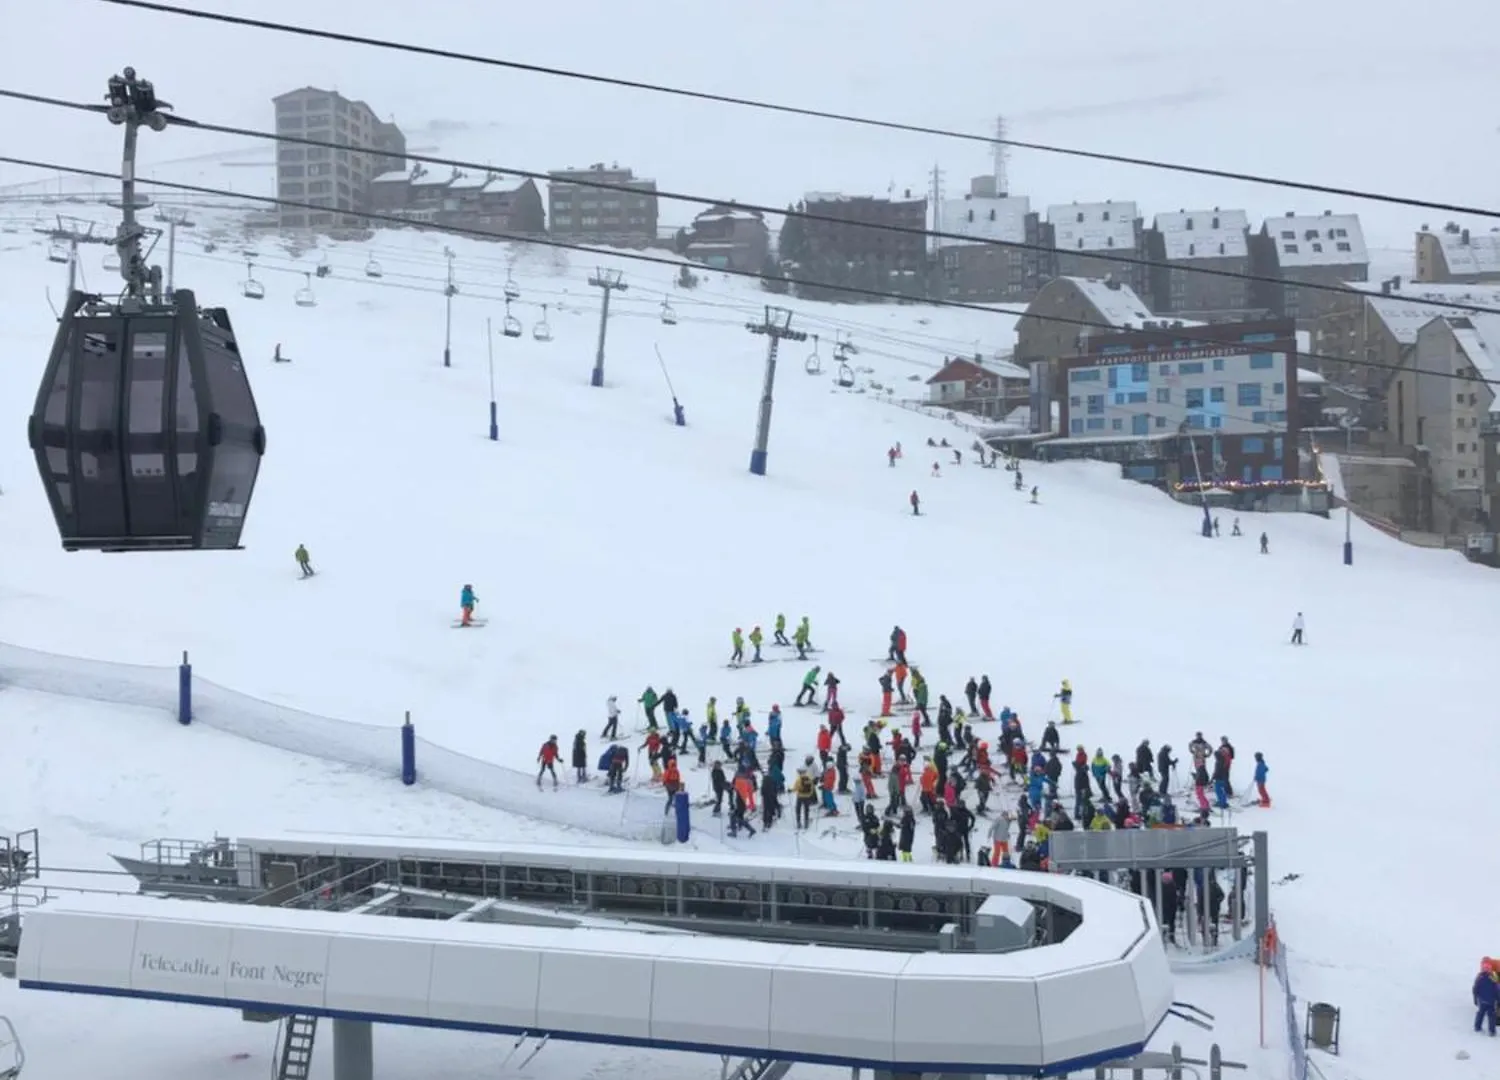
[[826, 219], [437, 53], [1183, 333]]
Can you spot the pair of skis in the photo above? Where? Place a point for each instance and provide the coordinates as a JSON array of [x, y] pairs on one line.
[[525, 1035]]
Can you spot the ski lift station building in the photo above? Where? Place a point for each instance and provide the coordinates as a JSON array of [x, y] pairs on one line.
[[918, 969]]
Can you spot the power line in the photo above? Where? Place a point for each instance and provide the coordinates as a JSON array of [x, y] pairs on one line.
[[791, 110], [1184, 333], [803, 215]]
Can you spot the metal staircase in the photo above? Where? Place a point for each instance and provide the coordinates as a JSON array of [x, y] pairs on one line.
[[760, 1069], [294, 1061]]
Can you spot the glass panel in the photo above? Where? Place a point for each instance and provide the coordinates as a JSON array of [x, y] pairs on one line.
[[228, 385], [228, 496], [185, 424], [96, 427], [150, 494], [55, 428]]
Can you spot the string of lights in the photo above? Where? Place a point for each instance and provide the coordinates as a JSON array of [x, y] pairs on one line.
[[453, 55], [1185, 334], [1106, 260]]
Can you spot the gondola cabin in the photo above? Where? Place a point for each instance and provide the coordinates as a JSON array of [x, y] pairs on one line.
[[145, 429]]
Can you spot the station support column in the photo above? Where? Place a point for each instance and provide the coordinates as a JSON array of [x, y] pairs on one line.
[[353, 1050]]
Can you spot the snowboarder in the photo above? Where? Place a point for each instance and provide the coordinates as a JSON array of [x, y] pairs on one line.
[[581, 756], [936, 469], [1261, 769], [809, 687], [916, 505], [1216, 527], [897, 653], [779, 637], [1297, 627], [548, 756], [1265, 544], [466, 602], [612, 719], [303, 562], [737, 640]]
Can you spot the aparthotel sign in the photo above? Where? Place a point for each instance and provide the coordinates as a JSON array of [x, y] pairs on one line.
[[1173, 356], [198, 967]]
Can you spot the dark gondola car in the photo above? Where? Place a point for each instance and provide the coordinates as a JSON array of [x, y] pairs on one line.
[[145, 429]]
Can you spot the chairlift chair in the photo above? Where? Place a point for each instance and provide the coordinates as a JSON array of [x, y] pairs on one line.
[[57, 252], [112, 261], [542, 331], [323, 268], [252, 289], [304, 296], [512, 290], [668, 316], [372, 269], [814, 365], [511, 326], [845, 376], [209, 247]]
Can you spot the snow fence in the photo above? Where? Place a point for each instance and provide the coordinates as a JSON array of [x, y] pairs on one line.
[[373, 747]]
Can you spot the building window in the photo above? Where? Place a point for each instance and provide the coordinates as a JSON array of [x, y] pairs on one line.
[[1096, 423], [1075, 427], [1096, 403], [1260, 417], [1163, 396], [1138, 397], [1139, 372], [1270, 472], [1120, 398], [1117, 424], [1278, 388], [1247, 394], [1462, 448], [1161, 421], [1278, 416], [1195, 420], [1458, 399], [1195, 368], [1165, 369], [1140, 423], [1261, 361], [1084, 375], [1195, 398], [1276, 444], [1216, 394], [1075, 402], [1254, 445], [1218, 363]]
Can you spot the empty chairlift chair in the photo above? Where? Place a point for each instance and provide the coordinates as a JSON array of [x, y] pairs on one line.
[[304, 296], [845, 376], [324, 270], [668, 316], [542, 331], [252, 289], [512, 290], [57, 252], [372, 269], [510, 326], [112, 261], [814, 365]]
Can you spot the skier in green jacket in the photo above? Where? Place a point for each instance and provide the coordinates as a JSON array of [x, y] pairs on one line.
[[802, 638], [780, 637], [809, 687], [648, 702]]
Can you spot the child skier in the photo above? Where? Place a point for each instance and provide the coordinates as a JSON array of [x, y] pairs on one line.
[[466, 601], [802, 638], [780, 636], [1261, 769], [809, 687], [548, 756], [303, 562], [1064, 698], [737, 640], [756, 637]]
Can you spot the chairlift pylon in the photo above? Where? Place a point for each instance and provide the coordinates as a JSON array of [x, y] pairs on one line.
[[542, 331], [304, 296], [512, 290], [814, 365], [252, 289], [372, 269], [668, 316], [510, 326]]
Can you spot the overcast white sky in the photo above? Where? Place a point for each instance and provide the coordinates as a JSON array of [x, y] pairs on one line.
[[1362, 93]]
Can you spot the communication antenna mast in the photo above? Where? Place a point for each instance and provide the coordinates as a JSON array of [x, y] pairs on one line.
[[1001, 154], [133, 102]]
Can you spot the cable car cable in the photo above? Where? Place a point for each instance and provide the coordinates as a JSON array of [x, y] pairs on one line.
[[824, 219], [1184, 333], [437, 53]]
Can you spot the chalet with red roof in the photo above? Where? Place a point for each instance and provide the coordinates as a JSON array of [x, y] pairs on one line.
[[990, 389]]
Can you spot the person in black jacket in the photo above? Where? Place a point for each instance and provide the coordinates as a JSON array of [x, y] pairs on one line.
[[668, 701], [581, 756], [1165, 765], [1145, 760], [971, 692], [720, 785], [907, 835]]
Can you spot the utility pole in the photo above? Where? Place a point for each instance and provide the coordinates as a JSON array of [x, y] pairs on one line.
[[610, 281], [776, 325], [1002, 158], [449, 291]]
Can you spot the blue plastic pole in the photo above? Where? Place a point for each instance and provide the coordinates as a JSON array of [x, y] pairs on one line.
[[684, 817], [185, 691], [408, 752]]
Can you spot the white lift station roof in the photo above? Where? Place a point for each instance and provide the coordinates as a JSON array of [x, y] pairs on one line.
[[1096, 996]]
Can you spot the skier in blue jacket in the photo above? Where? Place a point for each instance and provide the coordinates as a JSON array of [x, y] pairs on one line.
[[466, 601], [1486, 996], [773, 724]]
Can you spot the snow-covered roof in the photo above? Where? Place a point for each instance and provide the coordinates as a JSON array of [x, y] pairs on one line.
[[1318, 240], [470, 182], [728, 213], [1118, 305], [1093, 226], [1479, 338], [1468, 252], [1309, 378], [984, 217], [1404, 313], [504, 185], [1204, 234], [397, 176]]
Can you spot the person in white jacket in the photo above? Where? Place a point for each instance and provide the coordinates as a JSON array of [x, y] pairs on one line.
[[1297, 627], [612, 724]]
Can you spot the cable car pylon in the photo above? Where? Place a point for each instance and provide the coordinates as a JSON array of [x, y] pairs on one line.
[[145, 429]]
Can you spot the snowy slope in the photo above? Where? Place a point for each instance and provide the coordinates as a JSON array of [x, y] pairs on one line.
[[613, 549]]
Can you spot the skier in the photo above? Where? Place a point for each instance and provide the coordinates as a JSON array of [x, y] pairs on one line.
[[891, 454], [737, 640], [802, 638], [1234, 530], [984, 697], [756, 637], [303, 562], [466, 602], [809, 687], [886, 687], [276, 356], [1297, 627], [612, 719], [619, 761], [897, 653], [1064, 698], [1486, 996], [1033, 496], [1261, 769], [648, 701], [581, 756], [780, 635], [830, 692], [1265, 544], [548, 756], [916, 505]]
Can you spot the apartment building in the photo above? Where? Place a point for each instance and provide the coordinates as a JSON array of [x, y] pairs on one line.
[[1457, 254], [1088, 238], [624, 214], [335, 179], [482, 202], [861, 242], [1198, 250], [981, 267], [1299, 250]]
